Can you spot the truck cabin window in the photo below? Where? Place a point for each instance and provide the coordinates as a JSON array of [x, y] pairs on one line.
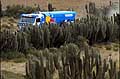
[[38, 20], [28, 19]]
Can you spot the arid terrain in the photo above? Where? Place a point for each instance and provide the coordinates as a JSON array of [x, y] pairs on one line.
[[77, 5], [18, 68]]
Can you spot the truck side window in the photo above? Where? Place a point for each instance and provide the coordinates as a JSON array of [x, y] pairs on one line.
[[38, 20]]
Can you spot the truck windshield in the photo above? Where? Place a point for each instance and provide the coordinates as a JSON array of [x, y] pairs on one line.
[[27, 19]]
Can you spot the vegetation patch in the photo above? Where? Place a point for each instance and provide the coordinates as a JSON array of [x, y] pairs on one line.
[[108, 47], [11, 75], [11, 55], [70, 62], [115, 49]]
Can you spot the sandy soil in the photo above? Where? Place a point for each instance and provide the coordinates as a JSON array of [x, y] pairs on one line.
[[106, 53], [18, 68]]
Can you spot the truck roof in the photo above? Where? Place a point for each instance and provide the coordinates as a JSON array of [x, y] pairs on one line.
[[31, 15], [58, 12], [38, 14]]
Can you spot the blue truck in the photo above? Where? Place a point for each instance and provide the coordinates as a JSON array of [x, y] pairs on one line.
[[39, 18]]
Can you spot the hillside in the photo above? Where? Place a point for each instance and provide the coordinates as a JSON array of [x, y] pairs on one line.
[[77, 5]]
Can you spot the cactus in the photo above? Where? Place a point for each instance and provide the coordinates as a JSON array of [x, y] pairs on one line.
[[93, 28], [70, 65], [50, 8]]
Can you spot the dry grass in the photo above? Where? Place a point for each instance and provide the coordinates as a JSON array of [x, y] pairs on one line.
[[17, 68], [9, 23], [11, 75]]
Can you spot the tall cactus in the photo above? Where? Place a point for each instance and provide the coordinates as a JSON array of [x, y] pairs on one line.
[[70, 64]]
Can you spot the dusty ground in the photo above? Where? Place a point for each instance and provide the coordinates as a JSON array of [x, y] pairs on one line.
[[107, 53], [9, 23], [18, 68]]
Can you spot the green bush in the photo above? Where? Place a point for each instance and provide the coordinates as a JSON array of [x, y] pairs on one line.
[[108, 47], [115, 49], [116, 45], [19, 60], [11, 55], [32, 51]]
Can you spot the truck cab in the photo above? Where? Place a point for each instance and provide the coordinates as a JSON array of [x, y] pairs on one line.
[[46, 17], [30, 19]]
